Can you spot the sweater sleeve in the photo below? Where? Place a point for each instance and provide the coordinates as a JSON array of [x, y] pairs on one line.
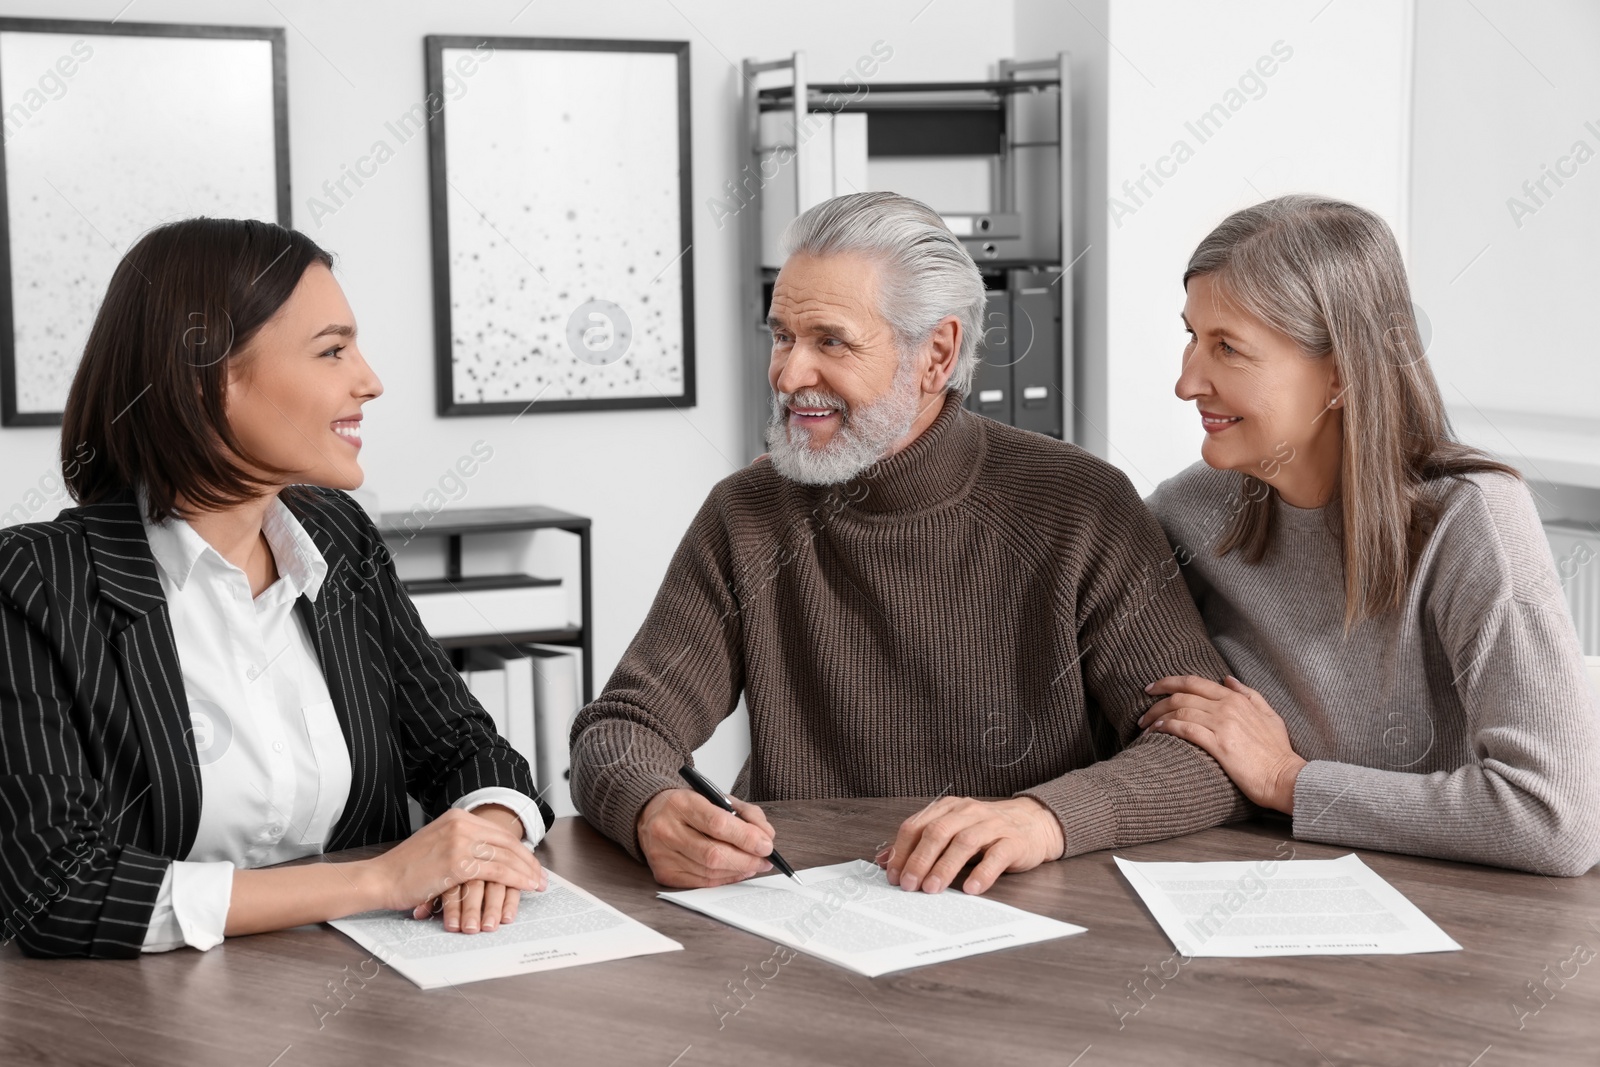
[[1136, 623], [680, 677], [1531, 798]]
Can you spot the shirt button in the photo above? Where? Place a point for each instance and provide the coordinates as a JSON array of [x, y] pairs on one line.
[[277, 746], [251, 673], [275, 829]]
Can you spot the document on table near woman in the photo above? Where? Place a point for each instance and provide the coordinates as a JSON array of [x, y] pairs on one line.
[[849, 914], [563, 926], [1338, 907]]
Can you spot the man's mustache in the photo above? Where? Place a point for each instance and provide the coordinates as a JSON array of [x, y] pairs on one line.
[[813, 399]]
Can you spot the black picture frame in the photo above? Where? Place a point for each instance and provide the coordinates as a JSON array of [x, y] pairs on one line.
[[10, 412], [439, 193]]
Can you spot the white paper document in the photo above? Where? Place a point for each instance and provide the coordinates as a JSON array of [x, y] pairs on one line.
[[564, 926], [849, 914], [1282, 908]]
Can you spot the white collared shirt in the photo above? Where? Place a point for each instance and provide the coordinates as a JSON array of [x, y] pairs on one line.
[[274, 767]]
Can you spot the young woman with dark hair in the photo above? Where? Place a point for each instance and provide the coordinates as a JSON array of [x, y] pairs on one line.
[[211, 665], [1415, 683]]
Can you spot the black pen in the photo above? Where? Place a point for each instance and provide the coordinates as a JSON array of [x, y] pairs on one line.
[[700, 784]]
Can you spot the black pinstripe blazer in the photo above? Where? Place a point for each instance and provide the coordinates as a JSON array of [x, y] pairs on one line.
[[99, 781]]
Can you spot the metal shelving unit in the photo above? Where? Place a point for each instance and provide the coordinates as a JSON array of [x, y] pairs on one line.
[[455, 524]]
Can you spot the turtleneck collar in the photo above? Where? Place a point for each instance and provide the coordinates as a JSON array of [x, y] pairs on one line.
[[938, 466]]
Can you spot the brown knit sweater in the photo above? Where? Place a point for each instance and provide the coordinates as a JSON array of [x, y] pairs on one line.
[[976, 615]]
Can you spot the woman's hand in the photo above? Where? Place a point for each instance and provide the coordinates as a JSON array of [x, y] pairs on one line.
[[1237, 727], [482, 904], [456, 849]]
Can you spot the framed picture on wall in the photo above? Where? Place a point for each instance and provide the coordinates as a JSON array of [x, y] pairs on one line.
[[111, 129], [563, 270]]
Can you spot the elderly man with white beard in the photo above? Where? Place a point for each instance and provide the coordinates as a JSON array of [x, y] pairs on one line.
[[913, 600]]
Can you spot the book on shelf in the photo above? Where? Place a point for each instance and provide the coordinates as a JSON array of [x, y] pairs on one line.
[[556, 670], [515, 672], [489, 604], [488, 684]]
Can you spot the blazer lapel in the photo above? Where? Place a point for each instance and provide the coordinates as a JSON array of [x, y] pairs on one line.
[[334, 621], [147, 662]]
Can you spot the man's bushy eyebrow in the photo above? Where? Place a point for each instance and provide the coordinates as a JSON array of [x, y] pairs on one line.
[[831, 328]]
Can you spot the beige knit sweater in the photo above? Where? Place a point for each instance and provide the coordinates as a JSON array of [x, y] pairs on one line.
[[1461, 724], [976, 615]]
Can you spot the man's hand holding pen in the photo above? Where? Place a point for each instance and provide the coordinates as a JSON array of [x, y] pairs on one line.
[[690, 842]]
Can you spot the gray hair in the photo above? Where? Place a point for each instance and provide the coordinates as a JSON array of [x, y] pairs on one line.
[[928, 277], [1330, 276]]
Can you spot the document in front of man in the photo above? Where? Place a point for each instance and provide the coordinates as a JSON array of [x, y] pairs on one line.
[[849, 914], [564, 926], [1337, 907]]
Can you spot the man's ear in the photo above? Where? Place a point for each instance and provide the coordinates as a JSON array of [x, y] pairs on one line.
[[944, 349]]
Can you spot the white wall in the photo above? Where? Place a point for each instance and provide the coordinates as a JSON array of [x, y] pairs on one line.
[[1508, 275], [640, 475], [1330, 119]]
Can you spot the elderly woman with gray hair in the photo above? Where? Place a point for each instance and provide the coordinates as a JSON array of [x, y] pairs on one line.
[[1415, 684]]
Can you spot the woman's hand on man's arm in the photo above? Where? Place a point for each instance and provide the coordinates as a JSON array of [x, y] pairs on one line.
[[1237, 726]]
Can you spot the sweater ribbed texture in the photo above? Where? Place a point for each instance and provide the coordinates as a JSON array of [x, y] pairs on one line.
[[976, 615], [1461, 725]]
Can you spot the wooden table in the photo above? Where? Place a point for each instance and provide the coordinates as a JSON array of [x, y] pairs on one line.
[[251, 1000]]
